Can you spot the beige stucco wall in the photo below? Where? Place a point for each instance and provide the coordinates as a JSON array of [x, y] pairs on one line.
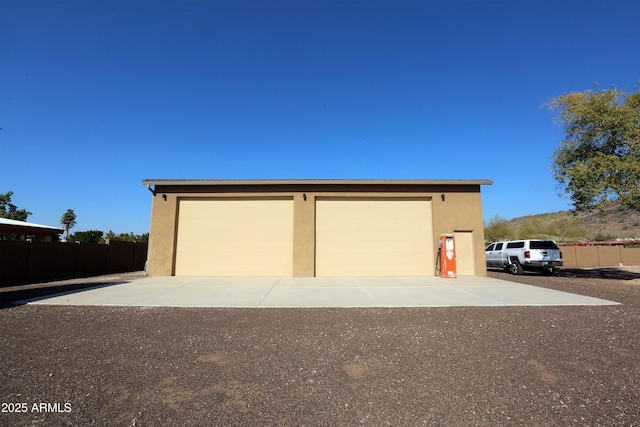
[[304, 219], [162, 235], [460, 211]]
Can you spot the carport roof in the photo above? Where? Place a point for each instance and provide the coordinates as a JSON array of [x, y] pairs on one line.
[[12, 226], [196, 182]]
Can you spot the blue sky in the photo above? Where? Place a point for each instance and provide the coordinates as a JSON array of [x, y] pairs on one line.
[[96, 96]]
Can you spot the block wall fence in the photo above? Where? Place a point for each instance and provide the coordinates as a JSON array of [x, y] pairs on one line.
[[25, 262], [599, 256]]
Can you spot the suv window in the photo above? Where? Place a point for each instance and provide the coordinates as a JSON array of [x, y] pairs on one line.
[[490, 247], [542, 244], [499, 246], [515, 245]]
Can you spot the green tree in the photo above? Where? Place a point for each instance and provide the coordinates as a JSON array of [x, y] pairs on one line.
[[127, 237], [89, 236], [111, 236], [68, 220], [533, 228], [569, 229], [498, 229], [599, 158], [9, 210]]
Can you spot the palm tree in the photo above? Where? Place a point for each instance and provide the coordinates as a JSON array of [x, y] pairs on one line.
[[68, 220]]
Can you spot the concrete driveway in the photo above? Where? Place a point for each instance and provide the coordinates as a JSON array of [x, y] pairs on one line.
[[270, 292]]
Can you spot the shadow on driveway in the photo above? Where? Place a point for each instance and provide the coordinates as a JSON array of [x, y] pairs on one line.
[[599, 273], [612, 273], [8, 297]]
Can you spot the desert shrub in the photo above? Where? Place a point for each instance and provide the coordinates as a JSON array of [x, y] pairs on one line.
[[498, 229]]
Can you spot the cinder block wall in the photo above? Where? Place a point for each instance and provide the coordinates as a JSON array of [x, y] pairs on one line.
[[630, 256], [609, 255], [569, 256], [92, 259], [23, 262], [14, 260], [51, 261], [120, 257], [599, 256]]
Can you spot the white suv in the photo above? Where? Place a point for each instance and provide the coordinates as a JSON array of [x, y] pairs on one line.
[[519, 255]]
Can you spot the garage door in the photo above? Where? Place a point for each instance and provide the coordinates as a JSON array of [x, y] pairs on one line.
[[374, 237], [235, 238]]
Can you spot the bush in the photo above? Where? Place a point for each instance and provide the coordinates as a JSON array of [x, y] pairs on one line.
[[498, 229], [90, 236]]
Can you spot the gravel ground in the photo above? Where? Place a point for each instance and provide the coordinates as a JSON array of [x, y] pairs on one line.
[[457, 366]]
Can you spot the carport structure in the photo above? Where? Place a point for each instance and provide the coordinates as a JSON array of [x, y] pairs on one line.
[[23, 228], [307, 228]]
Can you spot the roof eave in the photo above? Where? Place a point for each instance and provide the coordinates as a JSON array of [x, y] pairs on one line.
[[11, 226], [230, 182]]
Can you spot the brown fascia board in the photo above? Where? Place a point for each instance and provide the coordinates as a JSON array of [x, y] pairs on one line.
[[257, 182], [29, 230], [188, 186]]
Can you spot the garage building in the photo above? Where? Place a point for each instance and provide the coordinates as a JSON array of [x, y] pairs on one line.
[[312, 227]]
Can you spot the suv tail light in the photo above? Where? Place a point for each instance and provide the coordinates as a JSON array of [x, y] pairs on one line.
[[527, 254]]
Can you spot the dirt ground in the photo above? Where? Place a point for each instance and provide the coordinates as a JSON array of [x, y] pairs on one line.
[[487, 366]]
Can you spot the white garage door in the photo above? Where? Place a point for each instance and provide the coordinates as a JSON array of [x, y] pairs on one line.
[[374, 237], [235, 238]]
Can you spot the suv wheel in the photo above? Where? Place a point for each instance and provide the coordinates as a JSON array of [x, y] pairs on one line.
[[515, 268]]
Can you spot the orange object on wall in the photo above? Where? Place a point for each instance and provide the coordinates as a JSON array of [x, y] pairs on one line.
[[447, 257]]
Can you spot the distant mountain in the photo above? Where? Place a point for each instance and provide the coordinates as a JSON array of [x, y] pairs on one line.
[[606, 223]]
